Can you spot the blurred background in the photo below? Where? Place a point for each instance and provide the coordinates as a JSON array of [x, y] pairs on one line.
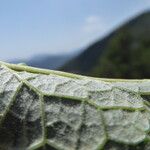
[[101, 38]]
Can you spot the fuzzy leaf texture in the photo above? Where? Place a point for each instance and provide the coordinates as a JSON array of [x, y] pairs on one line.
[[52, 110]]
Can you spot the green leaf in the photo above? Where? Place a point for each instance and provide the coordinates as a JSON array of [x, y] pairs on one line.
[[52, 110]]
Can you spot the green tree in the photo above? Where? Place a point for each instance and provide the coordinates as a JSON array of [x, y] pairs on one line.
[[125, 57]]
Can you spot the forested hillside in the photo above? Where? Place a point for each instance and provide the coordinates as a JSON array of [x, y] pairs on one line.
[[125, 53]]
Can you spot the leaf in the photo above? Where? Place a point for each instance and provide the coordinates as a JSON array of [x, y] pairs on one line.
[[52, 110]]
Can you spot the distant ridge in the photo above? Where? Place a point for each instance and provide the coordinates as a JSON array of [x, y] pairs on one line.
[[100, 58], [46, 61]]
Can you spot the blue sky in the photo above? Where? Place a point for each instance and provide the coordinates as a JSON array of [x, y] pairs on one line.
[[31, 27]]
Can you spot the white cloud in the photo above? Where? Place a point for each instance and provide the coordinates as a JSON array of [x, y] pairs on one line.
[[93, 28], [93, 24]]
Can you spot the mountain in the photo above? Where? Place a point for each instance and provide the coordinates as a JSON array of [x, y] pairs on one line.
[[124, 53], [46, 61]]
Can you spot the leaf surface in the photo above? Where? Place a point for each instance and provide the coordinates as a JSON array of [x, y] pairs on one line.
[[49, 110]]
